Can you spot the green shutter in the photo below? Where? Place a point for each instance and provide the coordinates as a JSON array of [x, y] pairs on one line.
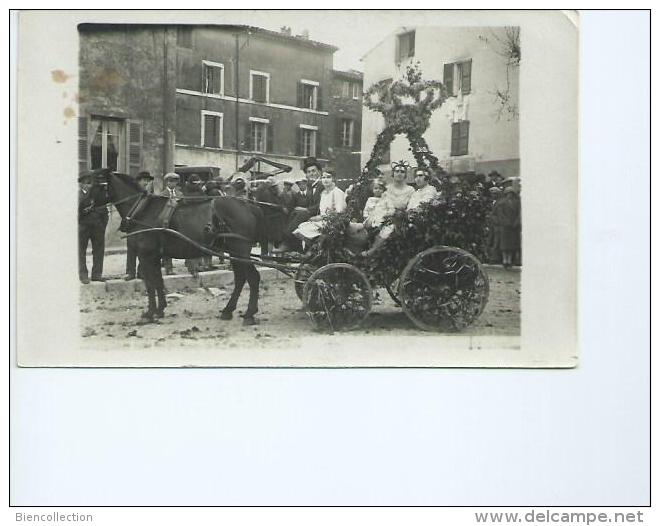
[[319, 98], [247, 137], [357, 135], [448, 79]]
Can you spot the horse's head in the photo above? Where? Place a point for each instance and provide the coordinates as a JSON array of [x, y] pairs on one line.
[[119, 186]]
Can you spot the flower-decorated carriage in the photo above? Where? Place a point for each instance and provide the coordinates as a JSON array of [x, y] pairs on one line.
[[438, 285]]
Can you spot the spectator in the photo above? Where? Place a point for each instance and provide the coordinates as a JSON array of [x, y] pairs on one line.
[[175, 194], [92, 221], [145, 180]]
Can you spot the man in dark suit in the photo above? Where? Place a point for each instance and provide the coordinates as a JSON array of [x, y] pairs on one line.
[[145, 180], [92, 220], [308, 206]]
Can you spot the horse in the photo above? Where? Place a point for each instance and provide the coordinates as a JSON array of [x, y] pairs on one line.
[[196, 220]]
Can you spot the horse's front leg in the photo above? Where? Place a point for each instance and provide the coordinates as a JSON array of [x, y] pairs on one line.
[[239, 282], [253, 279], [149, 279]]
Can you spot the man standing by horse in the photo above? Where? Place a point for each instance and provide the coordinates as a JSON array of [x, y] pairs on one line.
[[175, 194], [92, 220], [145, 180]]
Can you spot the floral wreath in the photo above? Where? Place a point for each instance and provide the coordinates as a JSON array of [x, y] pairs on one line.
[[400, 164]]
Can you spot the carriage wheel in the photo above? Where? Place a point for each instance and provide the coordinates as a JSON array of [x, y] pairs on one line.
[[305, 270], [337, 297], [443, 289]]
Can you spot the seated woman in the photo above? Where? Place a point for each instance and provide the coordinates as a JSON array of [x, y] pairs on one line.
[[333, 199], [425, 192]]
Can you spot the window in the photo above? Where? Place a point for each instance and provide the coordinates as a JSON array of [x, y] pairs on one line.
[[346, 133], [211, 129], [107, 144], [258, 135], [405, 46], [309, 94], [357, 92], [460, 132], [457, 77], [184, 37], [345, 89], [307, 141], [213, 78], [259, 86]]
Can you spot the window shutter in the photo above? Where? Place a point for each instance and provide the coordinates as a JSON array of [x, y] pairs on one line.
[[299, 141], [247, 139], [455, 135], [319, 99], [411, 44], [317, 151], [134, 148], [217, 72], [397, 49], [270, 142], [208, 131], [357, 135], [466, 76], [339, 128], [448, 79], [465, 133], [299, 99], [83, 144]]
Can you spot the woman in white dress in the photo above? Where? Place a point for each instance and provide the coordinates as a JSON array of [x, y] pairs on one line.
[[425, 192], [333, 199]]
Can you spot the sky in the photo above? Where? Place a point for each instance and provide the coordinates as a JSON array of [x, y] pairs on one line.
[[353, 32]]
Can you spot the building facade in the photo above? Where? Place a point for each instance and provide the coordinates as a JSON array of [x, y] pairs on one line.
[[346, 115], [126, 97], [245, 91], [476, 128]]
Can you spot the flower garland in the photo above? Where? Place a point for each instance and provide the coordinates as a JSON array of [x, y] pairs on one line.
[[401, 118]]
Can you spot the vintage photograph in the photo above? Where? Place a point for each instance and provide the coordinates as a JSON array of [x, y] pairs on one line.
[[240, 186], [343, 189]]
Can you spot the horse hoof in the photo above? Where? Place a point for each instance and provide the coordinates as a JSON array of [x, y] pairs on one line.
[[249, 320], [148, 315], [226, 315], [160, 314]]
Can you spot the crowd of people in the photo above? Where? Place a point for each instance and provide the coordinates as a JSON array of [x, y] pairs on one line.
[[294, 208]]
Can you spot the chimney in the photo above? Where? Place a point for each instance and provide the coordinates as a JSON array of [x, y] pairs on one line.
[[285, 30]]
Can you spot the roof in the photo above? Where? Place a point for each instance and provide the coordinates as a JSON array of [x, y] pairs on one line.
[[350, 74], [267, 33]]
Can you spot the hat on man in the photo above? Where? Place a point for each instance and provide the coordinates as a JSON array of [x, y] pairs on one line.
[[87, 175], [144, 175], [171, 177], [311, 161]]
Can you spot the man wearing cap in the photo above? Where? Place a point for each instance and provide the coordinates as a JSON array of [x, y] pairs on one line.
[[145, 180], [175, 194], [92, 220]]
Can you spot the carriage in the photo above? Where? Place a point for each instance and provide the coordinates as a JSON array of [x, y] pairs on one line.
[[438, 286]]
